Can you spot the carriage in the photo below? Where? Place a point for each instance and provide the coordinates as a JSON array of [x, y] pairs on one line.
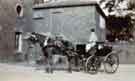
[[101, 53]]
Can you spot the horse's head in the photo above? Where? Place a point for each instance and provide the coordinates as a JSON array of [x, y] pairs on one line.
[[41, 38], [31, 37]]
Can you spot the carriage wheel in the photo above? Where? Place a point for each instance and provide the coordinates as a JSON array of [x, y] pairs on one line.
[[92, 65], [111, 63]]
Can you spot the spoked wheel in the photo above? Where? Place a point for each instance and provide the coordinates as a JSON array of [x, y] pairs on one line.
[[92, 64], [111, 63]]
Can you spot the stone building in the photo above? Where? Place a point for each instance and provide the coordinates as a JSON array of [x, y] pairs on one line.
[[7, 26], [73, 19]]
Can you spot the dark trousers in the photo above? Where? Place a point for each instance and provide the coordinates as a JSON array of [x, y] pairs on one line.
[[76, 62], [49, 68]]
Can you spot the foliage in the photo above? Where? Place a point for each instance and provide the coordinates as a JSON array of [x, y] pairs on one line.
[[120, 23]]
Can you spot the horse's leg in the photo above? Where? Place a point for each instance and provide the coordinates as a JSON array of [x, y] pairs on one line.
[[46, 58], [76, 58], [49, 60], [69, 64], [45, 53]]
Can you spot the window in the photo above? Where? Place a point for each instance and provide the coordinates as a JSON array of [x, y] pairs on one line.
[[41, 1], [19, 10]]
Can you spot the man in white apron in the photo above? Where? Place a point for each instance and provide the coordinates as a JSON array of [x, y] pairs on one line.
[[92, 40]]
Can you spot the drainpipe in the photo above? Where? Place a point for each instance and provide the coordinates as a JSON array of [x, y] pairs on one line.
[[20, 42]]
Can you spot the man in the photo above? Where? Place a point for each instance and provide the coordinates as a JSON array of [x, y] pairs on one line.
[[92, 40], [59, 49], [48, 53]]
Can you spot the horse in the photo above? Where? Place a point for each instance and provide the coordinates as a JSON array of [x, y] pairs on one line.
[[51, 46]]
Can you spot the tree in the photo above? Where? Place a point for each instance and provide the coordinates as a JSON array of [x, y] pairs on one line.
[[131, 4], [120, 15]]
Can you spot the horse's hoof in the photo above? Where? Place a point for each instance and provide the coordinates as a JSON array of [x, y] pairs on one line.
[[69, 71], [51, 72], [47, 70], [77, 70]]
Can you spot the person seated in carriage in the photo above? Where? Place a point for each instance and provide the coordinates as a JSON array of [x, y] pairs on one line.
[[92, 41], [95, 46]]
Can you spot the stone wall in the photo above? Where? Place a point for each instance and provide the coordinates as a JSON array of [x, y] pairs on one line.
[[127, 56], [7, 26]]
